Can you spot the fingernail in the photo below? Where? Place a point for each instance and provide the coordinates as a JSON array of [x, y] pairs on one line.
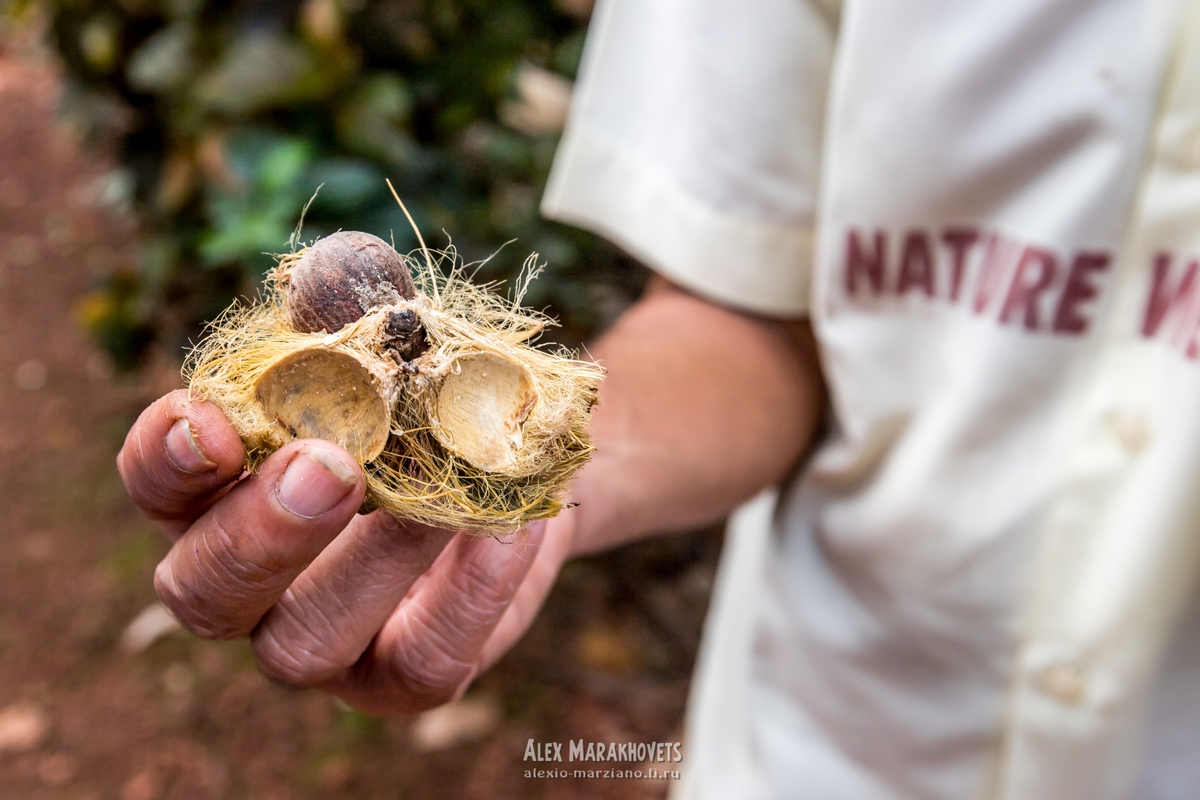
[[314, 482], [184, 451]]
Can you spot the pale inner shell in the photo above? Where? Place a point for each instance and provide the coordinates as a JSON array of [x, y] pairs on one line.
[[326, 394], [481, 406]]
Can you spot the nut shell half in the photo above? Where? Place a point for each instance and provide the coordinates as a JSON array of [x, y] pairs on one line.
[[318, 393], [480, 408]]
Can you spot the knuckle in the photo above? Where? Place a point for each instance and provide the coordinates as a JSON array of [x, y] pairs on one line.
[[277, 663], [187, 607], [211, 587], [227, 566], [294, 649], [432, 671], [290, 665], [483, 587]]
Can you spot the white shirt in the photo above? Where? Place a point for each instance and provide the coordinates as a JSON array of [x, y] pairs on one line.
[[991, 211]]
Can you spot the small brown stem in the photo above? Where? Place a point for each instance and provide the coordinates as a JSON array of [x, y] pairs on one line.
[[404, 335]]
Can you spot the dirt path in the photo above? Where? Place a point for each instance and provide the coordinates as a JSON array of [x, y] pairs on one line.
[[80, 718]]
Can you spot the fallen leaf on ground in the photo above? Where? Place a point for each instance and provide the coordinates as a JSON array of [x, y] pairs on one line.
[[23, 726], [466, 721], [151, 624]]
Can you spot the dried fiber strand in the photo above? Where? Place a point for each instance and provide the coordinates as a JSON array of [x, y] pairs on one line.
[[417, 476]]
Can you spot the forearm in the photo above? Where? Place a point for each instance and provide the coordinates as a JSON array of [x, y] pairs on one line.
[[702, 408]]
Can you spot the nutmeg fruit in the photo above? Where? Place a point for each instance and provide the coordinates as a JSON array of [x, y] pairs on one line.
[[480, 401], [458, 419]]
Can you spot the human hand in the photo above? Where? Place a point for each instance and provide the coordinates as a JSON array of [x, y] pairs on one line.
[[391, 616]]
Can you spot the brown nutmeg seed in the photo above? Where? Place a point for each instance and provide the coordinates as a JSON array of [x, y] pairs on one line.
[[342, 277]]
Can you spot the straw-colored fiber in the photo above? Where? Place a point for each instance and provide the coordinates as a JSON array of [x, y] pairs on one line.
[[417, 476]]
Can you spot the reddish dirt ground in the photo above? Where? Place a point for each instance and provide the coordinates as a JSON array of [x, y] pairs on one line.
[[81, 719]]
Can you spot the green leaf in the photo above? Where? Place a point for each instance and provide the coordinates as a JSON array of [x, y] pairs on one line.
[[346, 184], [282, 166]]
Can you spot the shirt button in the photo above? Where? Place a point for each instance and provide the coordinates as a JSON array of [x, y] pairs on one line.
[[1193, 148], [1065, 682], [1131, 429]]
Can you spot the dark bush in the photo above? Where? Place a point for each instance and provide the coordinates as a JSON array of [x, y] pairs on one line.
[[227, 116]]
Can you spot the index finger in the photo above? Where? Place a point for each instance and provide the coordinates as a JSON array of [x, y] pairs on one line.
[[178, 458]]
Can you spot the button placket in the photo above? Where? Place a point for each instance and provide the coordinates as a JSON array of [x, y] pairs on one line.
[[1073, 677]]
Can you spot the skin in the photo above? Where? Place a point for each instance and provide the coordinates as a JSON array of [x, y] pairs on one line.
[[702, 407]]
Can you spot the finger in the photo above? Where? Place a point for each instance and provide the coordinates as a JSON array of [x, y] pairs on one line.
[[427, 651], [555, 550], [178, 458], [236, 560], [327, 618]]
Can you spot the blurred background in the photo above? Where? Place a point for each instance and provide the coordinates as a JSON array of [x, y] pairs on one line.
[[151, 153]]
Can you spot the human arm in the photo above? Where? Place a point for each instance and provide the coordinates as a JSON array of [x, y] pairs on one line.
[[702, 408]]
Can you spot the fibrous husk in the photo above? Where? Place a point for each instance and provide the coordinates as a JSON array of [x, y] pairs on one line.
[[481, 431]]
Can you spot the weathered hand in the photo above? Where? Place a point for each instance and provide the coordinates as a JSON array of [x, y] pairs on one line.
[[388, 615]]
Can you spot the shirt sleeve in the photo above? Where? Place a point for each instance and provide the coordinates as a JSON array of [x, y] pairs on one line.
[[694, 142]]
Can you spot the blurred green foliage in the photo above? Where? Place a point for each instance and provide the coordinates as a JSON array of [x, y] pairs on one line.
[[227, 116]]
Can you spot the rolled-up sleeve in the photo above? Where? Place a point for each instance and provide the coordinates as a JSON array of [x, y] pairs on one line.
[[694, 142]]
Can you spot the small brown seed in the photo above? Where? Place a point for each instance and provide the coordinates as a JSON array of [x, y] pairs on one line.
[[342, 277]]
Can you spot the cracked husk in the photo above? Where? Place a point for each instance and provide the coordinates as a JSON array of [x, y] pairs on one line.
[[481, 432]]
